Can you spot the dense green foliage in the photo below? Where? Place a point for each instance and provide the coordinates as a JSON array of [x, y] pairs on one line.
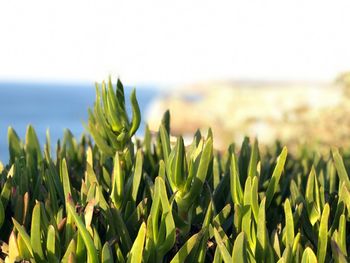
[[154, 200]]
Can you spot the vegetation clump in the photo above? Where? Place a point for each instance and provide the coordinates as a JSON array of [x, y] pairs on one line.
[[119, 199]]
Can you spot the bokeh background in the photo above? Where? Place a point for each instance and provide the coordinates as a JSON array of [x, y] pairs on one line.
[[242, 67]]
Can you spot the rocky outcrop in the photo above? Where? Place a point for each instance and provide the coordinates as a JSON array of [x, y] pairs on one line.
[[290, 112]]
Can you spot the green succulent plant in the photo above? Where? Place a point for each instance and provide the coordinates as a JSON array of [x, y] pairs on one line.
[[108, 122], [159, 201]]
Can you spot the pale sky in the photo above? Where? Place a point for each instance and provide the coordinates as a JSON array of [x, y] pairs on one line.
[[173, 42]]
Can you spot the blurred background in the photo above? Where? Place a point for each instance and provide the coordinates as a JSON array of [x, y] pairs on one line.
[[272, 69]]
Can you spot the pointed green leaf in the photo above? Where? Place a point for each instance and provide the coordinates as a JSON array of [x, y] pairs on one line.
[[117, 182], [136, 251], [24, 236], [261, 246], [201, 174], [136, 114], [289, 224], [15, 147], [51, 244], [35, 234], [186, 248], [312, 197], [106, 255], [239, 253], [342, 234], [276, 175], [32, 143], [223, 251], [70, 249], [254, 198], [340, 167], [164, 136], [65, 179], [235, 184], [137, 175], [179, 159], [92, 252], [308, 256], [253, 160], [322, 235]]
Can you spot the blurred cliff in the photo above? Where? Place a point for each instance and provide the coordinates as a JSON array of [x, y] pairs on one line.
[[311, 113]]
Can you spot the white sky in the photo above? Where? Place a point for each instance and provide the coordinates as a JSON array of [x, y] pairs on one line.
[[173, 42]]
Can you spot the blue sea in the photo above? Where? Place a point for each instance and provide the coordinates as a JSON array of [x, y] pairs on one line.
[[54, 107]]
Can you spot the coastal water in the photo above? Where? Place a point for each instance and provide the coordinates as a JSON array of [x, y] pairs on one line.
[[54, 107]]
